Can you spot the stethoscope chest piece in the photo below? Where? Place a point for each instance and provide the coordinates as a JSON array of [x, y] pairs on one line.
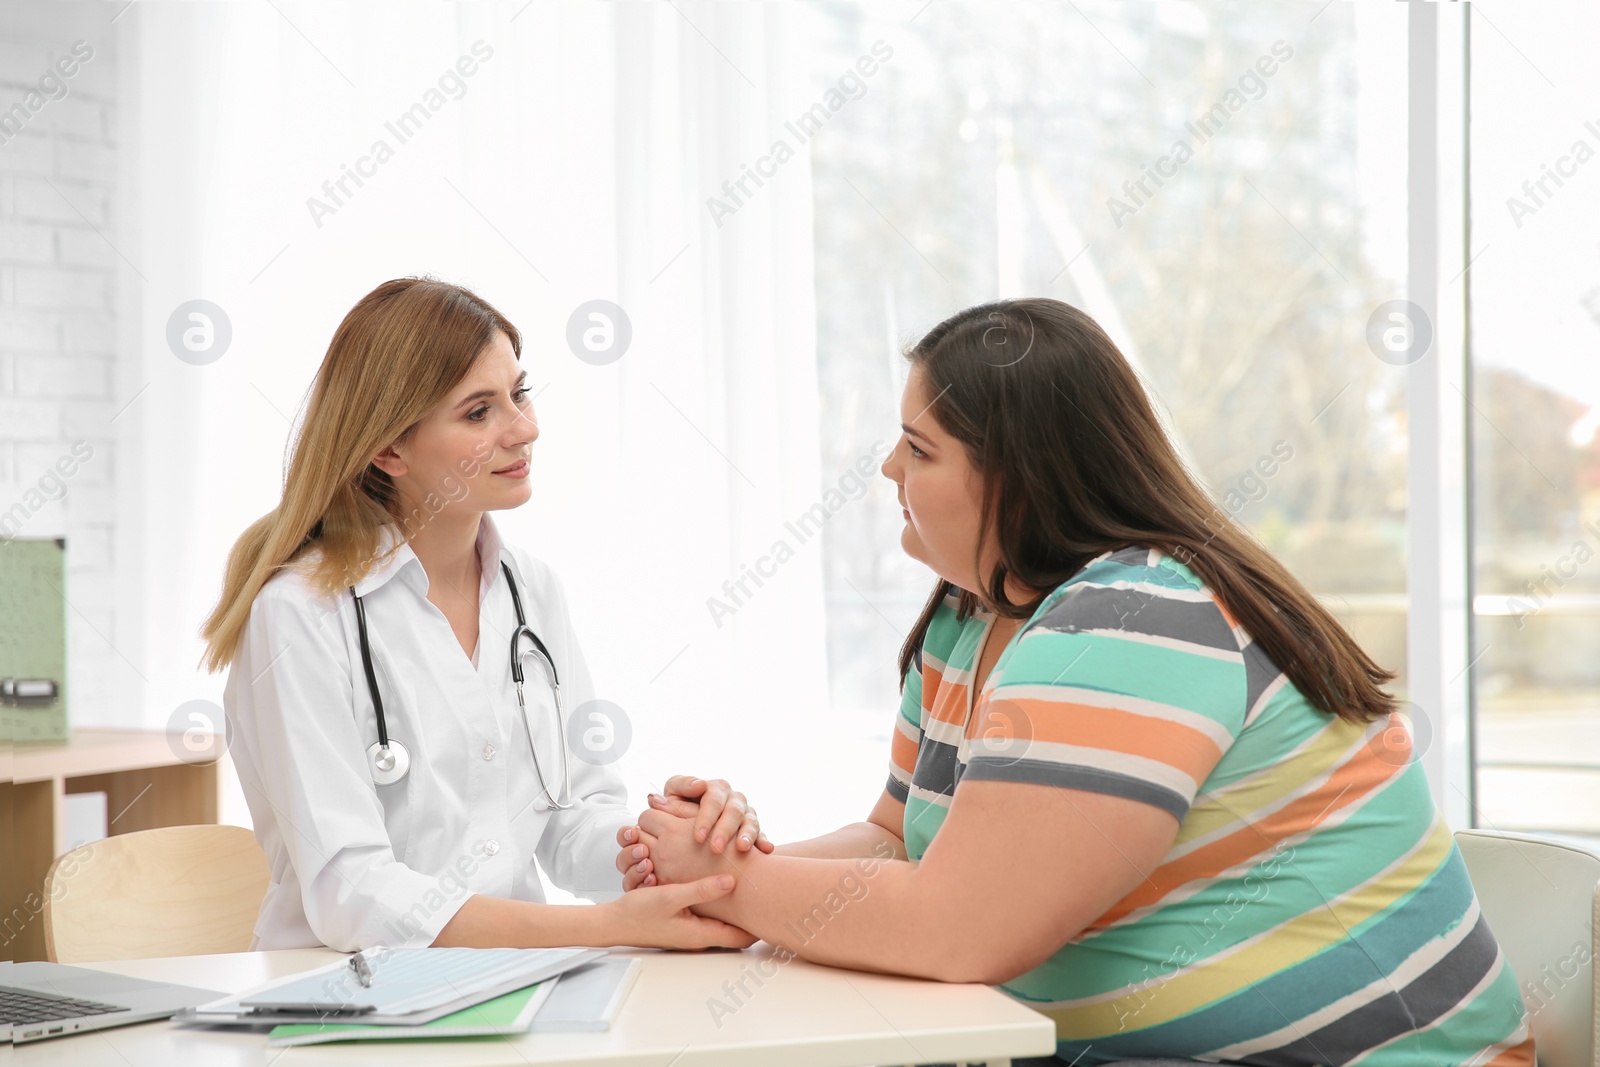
[[388, 759], [389, 764]]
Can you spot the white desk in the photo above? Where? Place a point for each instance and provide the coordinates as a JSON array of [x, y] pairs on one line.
[[803, 1015]]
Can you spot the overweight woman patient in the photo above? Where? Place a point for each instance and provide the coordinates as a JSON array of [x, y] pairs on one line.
[[1140, 778], [419, 425]]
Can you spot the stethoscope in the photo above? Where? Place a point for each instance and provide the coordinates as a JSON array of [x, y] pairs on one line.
[[389, 759]]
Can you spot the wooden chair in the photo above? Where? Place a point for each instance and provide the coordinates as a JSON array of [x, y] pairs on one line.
[[172, 891]]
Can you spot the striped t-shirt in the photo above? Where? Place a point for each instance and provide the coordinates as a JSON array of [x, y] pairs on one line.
[[1314, 908]]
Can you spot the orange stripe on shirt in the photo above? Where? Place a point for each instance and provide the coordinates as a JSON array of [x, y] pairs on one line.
[[1363, 773], [941, 701], [1090, 726], [949, 704], [903, 751]]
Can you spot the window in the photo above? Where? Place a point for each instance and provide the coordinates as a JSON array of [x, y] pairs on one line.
[[1223, 191], [1535, 330]]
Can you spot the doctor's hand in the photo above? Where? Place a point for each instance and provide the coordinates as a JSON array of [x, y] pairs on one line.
[[634, 861], [722, 814], [659, 917]]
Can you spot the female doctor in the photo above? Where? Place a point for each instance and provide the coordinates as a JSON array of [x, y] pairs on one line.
[[404, 687]]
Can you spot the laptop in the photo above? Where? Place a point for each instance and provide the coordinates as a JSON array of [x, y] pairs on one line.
[[44, 1000]]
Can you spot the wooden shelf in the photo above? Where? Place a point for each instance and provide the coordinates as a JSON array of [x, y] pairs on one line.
[[92, 750], [146, 782]]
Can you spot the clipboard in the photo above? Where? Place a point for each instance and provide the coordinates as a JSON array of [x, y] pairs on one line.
[[588, 998], [503, 1016], [427, 984]]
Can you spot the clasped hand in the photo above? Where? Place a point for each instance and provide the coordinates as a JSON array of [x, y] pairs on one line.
[[685, 832]]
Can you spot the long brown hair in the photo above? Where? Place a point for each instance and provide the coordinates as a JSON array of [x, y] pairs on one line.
[[396, 356], [1075, 463]]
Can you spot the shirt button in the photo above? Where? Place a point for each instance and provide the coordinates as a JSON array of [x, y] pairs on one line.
[[491, 847], [488, 751]]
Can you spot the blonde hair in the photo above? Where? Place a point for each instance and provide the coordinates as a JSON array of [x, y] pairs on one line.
[[396, 356]]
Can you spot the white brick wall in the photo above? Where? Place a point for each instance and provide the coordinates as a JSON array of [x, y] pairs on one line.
[[58, 282]]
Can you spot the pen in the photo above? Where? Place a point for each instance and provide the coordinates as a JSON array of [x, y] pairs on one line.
[[358, 964]]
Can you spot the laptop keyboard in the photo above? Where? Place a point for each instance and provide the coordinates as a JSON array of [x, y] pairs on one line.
[[22, 1006]]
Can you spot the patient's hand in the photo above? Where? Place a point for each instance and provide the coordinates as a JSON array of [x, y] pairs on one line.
[[636, 861], [717, 813], [722, 814], [674, 854]]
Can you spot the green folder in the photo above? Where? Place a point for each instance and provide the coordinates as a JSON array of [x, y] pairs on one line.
[[511, 1013], [33, 638]]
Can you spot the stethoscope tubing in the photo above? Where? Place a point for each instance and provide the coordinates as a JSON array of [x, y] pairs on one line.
[[389, 758]]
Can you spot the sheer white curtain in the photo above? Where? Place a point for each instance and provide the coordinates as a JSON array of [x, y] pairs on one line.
[[573, 163]]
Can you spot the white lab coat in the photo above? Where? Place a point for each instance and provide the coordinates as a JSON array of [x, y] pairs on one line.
[[356, 864]]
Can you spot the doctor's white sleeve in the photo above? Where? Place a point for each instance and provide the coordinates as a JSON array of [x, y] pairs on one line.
[[312, 763], [579, 847]]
